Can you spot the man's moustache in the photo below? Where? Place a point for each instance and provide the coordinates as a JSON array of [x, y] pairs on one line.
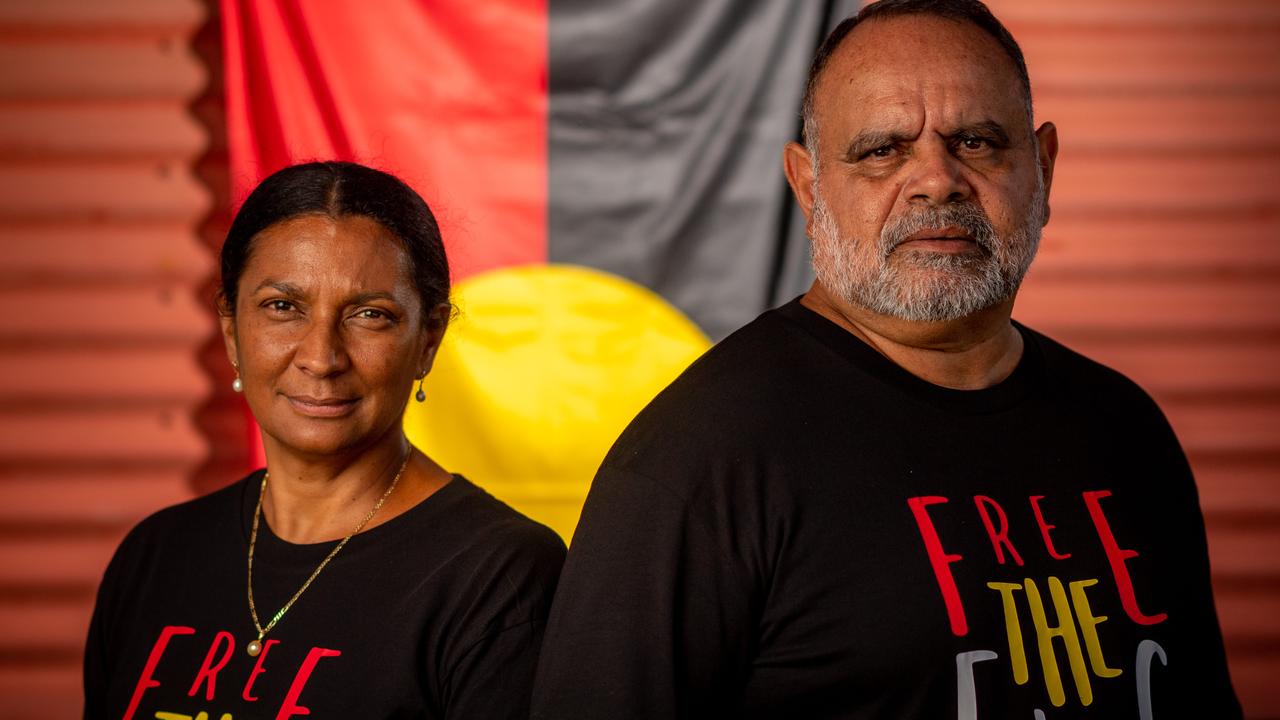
[[969, 218]]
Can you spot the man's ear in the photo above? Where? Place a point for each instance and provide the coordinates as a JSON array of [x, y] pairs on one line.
[[1047, 155], [436, 322], [797, 164]]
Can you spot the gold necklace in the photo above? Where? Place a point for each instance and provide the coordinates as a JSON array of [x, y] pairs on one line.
[[255, 646]]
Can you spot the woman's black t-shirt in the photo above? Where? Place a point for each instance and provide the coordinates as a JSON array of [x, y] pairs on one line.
[[436, 613]]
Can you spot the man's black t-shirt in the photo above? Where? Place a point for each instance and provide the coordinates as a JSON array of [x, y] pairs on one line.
[[797, 527], [436, 613]]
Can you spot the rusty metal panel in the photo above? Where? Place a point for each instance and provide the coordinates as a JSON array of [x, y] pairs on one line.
[[108, 206], [1162, 257]]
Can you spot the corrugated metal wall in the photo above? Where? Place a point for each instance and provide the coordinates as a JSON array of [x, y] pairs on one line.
[[111, 174], [1162, 259]]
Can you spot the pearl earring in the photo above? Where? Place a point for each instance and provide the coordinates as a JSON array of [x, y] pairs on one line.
[[420, 396], [236, 384]]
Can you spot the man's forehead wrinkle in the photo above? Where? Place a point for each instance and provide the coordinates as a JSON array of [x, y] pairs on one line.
[[927, 34], [918, 76], [915, 37]]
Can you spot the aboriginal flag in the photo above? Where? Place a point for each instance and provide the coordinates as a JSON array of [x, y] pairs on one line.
[[606, 174]]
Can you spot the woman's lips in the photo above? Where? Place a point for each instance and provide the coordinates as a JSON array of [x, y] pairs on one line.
[[322, 407]]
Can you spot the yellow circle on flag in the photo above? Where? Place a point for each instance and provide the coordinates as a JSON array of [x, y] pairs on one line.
[[539, 373]]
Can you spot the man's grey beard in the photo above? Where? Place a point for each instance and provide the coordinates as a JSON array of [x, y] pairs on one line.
[[923, 286]]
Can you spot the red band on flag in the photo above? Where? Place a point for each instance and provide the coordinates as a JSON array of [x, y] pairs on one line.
[[451, 96]]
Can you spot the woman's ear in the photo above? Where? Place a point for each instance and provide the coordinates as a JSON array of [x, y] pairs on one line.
[[227, 319], [435, 323]]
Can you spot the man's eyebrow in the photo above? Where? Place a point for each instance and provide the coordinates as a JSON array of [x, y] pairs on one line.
[[868, 140], [986, 128]]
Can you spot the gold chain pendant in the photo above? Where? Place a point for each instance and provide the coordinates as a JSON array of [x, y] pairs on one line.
[[255, 646]]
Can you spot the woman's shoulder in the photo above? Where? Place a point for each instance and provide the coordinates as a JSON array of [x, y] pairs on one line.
[[199, 516], [476, 521], [500, 566], [174, 535]]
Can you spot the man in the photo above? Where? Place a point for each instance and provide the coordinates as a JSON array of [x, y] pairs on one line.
[[886, 499]]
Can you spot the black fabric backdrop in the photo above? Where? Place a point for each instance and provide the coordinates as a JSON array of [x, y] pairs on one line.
[[666, 128]]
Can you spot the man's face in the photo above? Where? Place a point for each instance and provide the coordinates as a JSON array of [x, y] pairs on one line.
[[926, 196]]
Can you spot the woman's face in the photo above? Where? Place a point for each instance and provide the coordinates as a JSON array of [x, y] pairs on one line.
[[329, 333]]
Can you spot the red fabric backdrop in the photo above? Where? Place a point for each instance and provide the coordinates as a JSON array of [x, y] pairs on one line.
[[449, 95]]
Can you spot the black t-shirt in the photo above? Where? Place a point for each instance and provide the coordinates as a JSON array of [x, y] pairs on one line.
[[797, 527], [436, 613]]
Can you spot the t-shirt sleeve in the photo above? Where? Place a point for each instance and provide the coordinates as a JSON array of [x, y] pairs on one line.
[[652, 616], [95, 666], [494, 677], [97, 655], [1214, 695], [490, 675]]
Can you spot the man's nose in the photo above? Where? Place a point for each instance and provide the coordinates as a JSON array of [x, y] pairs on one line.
[[937, 176], [321, 351]]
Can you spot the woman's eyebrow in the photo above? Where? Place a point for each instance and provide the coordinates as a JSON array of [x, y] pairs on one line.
[[365, 297], [280, 286]]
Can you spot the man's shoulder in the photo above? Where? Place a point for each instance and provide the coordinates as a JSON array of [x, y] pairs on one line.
[[1078, 378], [1069, 364], [763, 348], [738, 371], [730, 403]]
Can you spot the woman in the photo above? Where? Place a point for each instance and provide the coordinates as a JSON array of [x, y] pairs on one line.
[[354, 577]]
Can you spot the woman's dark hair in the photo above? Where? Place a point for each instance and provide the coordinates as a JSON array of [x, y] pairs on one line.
[[340, 189]]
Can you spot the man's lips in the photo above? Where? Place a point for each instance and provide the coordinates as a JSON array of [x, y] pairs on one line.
[[322, 406], [945, 240]]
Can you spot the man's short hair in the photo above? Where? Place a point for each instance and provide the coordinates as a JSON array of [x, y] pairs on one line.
[[973, 12]]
